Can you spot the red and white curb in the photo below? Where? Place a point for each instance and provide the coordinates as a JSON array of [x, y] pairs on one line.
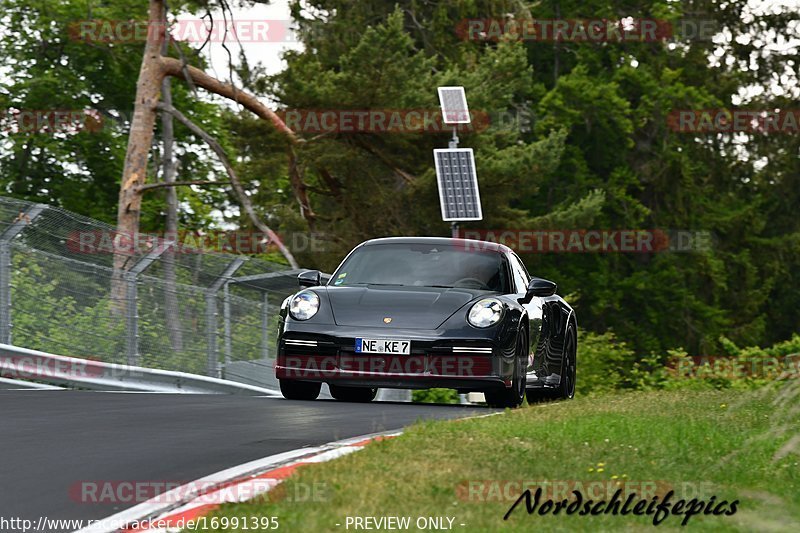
[[240, 483]]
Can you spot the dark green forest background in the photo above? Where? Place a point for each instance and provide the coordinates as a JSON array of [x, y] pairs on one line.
[[579, 140]]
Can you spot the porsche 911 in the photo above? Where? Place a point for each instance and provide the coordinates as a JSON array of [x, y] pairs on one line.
[[425, 312]]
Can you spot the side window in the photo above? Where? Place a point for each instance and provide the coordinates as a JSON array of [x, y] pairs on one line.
[[524, 271], [520, 274]]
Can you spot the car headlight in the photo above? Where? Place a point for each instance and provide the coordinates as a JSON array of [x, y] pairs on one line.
[[485, 313], [304, 305]]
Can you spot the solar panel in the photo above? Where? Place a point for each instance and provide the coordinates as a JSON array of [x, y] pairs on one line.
[[458, 184], [454, 105]]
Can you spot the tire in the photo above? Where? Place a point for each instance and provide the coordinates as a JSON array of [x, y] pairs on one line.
[[513, 396], [300, 390], [352, 394], [566, 387]]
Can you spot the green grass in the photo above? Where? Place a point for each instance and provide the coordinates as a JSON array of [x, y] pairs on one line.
[[721, 443]]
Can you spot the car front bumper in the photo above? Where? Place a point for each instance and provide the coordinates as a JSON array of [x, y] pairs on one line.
[[461, 360]]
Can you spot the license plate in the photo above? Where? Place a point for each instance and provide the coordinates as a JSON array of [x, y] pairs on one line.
[[383, 346]]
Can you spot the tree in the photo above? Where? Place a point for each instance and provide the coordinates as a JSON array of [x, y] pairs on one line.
[[56, 69], [154, 68]]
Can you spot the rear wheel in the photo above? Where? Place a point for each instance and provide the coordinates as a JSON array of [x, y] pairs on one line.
[[513, 396], [300, 390], [566, 388], [352, 394]]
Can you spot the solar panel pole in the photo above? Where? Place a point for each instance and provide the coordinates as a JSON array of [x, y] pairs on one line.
[[453, 144], [454, 141]]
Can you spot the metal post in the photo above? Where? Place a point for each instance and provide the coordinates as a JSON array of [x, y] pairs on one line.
[[131, 307], [132, 319], [5, 292], [226, 319], [212, 364], [6, 237], [265, 326], [212, 359], [453, 144]]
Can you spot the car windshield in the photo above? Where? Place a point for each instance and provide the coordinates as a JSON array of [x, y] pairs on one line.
[[423, 265]]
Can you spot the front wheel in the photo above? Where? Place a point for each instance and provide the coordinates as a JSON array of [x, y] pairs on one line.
[[352, 394], [513, 396], [300, 390]]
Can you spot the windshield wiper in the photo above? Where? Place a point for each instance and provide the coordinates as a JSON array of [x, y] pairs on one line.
[[378, 284], [440, 286]]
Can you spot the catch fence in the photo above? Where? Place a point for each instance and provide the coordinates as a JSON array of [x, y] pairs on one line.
[[171, 306]]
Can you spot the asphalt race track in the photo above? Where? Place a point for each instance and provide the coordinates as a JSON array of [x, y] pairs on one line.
[[52, 441]]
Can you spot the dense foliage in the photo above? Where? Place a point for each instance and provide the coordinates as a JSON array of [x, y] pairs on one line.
[[579, 139]]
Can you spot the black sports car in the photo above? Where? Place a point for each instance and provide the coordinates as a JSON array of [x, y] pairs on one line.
[[421, 312]]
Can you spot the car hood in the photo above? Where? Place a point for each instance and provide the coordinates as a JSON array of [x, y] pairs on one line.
[[408, 307]]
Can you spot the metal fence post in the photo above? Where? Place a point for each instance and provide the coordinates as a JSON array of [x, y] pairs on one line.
[[5, 292], [265, 326], [212, 364], [226, 320], [132, 320], [131, 308], [6, 237]]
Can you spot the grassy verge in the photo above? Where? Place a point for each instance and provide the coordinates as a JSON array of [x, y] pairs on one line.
[[699, 443]]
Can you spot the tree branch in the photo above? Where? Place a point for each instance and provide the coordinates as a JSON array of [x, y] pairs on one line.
[[174, 67], [408, 178], [244, 200], [332, 182], [300, 189], [163, 184]]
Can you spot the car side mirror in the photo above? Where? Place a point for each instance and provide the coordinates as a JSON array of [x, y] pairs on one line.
[[539, 287], [309, 278]]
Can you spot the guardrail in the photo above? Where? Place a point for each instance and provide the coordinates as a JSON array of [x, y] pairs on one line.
[[16, 384], [24, 364]]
